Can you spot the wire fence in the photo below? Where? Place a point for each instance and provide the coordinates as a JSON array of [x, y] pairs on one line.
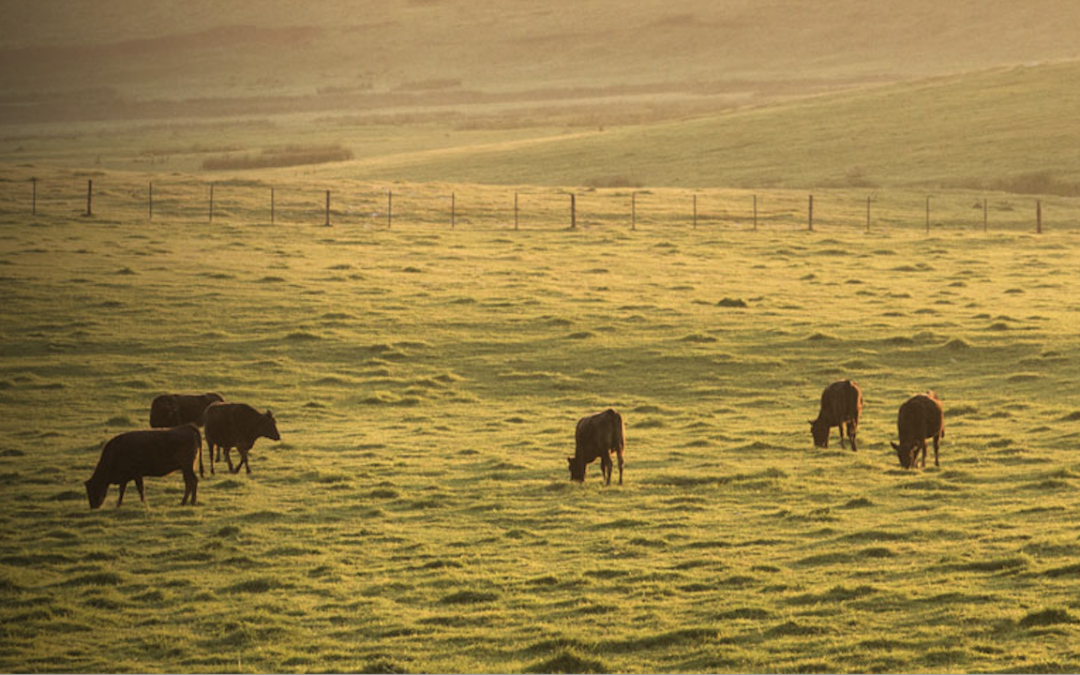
[[345, 204]]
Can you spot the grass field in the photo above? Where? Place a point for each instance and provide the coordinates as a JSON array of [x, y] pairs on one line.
[[991, 129], [1007, 129], [417, 514]]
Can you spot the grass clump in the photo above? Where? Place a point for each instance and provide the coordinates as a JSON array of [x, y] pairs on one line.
[[568, 662]]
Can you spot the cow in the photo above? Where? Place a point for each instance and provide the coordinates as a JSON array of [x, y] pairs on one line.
[[920, 418], [841, 403], [237, 425], [596, 436], [150, 452], [172, 410]]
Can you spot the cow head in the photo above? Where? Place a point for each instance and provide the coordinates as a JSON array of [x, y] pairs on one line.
[[95, 492], [820, 431], [577, 469], [268, 427], [905, 455]]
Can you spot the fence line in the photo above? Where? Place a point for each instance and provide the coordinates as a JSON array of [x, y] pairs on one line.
[[180, 201]]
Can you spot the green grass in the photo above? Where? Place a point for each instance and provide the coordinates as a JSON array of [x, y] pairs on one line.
[[1008, 129], [417, 513]]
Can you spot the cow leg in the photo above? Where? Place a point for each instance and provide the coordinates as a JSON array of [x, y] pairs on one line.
[[852, 428], [142, 489], [191, 484], [619, 453], [922, 446], [123, 488], [244, 459], [228, 459], [841, 427], [605, 467], [210, 449], [937, 441]]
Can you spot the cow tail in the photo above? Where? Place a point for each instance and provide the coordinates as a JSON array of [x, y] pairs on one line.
[[198, 439], [620, 434]]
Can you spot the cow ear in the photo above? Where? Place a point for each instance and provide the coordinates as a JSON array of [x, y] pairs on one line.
[[811, 422], [894, 446], [570, 461], [269, 414]]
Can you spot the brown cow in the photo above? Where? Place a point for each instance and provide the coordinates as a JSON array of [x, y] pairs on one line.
[[841, 403], [920, 418], [149, 452], [237, 425], [596, 436], [172, 410]]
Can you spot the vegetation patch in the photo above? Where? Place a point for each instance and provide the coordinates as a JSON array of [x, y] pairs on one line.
[[468, 598], [282, 156], [1047, 617], [566, 661]]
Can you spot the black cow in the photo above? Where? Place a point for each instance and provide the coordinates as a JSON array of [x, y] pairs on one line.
[[172, 410], [150, 452], [921, 417], [596, 436], [841, 403], [237, 425]]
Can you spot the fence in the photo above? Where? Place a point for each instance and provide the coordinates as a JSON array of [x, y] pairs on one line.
[[482, 206]]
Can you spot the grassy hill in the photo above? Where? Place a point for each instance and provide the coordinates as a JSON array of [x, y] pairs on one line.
[[1009, 128], [117, 58]]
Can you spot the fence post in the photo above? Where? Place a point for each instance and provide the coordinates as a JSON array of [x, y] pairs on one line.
[[389, 209], [755, 213], [271, 206], [33, 202], [89, 197], [211, 202], [573, 211], [515, 210], [810, 214], [986, 217], [1038, 216], [453, 210], [150, 201], [695, 212], [928, 215], [633, 210], [327, 208], [868, 213]]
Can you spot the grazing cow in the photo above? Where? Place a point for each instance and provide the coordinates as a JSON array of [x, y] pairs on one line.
[[237, 425], [841, 403], [596, 436], [150, 452], [172, 410], [920, 418]]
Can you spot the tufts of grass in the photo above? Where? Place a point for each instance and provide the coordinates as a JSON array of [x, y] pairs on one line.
[[566, 661], [1047, 617], [468, 598]]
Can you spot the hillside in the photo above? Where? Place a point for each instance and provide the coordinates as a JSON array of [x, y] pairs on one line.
[[119, 59], [1009, 128]]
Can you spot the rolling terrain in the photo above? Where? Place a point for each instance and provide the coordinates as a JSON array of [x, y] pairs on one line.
[[119, 59]]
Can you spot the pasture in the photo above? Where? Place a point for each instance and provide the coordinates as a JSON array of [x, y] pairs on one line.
[[417, 513]]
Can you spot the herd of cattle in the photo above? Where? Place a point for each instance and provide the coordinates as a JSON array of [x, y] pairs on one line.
[[173, 442]]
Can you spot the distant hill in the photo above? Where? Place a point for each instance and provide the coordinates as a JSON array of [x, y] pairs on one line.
[[62, 60], [1008, 128]]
